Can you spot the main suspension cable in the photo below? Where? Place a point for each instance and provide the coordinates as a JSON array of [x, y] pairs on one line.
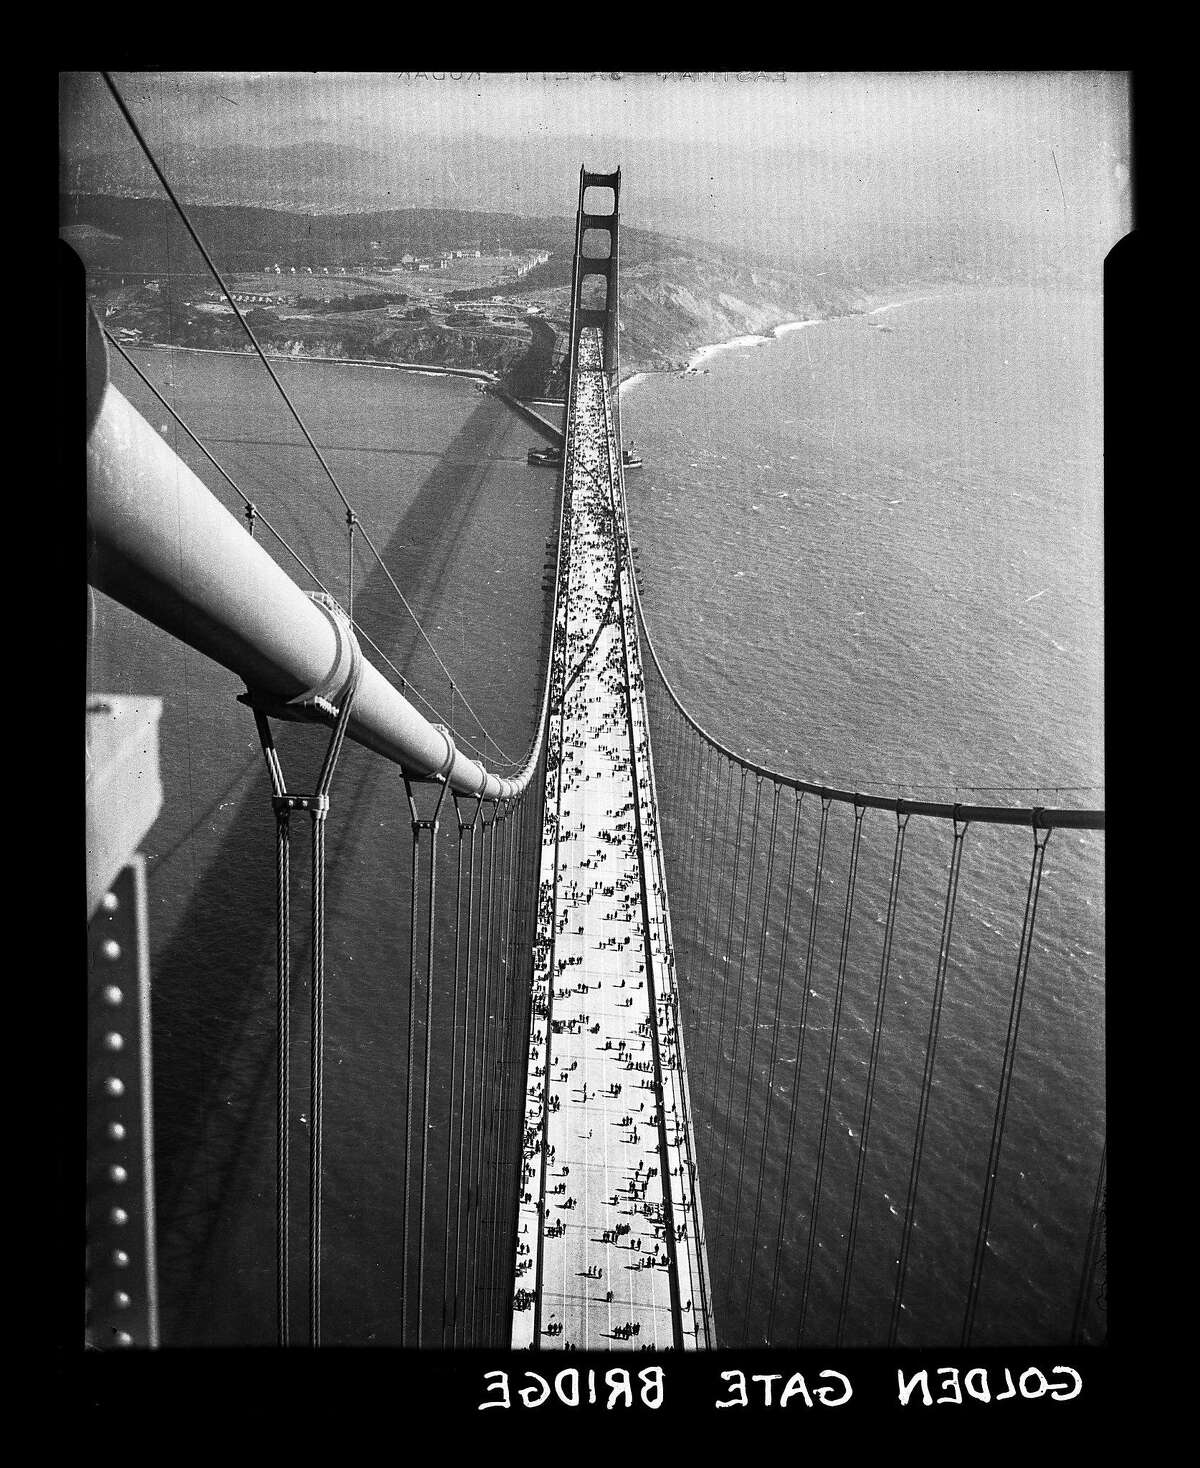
[[208, 260]]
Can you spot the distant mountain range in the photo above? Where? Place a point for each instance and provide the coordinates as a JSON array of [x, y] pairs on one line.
[[784, 206]]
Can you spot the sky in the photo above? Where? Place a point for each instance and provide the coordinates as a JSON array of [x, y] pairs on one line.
[[1043, 152]]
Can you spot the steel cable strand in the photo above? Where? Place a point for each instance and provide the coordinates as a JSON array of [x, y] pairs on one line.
[[935, 1018], [283, 1065], [692, 869], [262, 356], [1093, 1256], [511, 1061], [466, 1095], [814, 911], [432, 827], [410, 1067], [317, 1067], [737, 1025], [256, 516], [830, 1068], [1006, 1072], [483, 1245], [496, 1079], [1082, 820], [798, 806], [701, 1007], [758, 989], [487, 1101], [708, 949], [698, 1000], [683, 776], [449, 1275], [872, 1072], [562, 651], [519, 1039], [477, 1089]]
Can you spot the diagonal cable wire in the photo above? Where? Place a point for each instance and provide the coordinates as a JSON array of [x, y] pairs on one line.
[[407, 685], [208, 260]]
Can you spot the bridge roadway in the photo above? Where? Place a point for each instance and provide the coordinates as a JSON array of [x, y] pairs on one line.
[[610, 1248]]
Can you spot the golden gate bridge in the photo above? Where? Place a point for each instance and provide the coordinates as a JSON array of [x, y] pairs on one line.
[[610, 953]]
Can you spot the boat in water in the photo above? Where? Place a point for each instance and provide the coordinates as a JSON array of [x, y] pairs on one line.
[[548, 458], [551, 458]]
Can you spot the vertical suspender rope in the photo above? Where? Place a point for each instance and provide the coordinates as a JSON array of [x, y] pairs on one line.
[[419, 824], [872, 1070], [478, 1043], [814, 1211], [505, 1259], [775, 1032], [814, 912], [725, 958], [283, 1062], [758, 991], [449, 1278], [466, 1089], [1006, 1071], [710, 942], [495, 1082], [337, 703], [1093, 1256], [351, 522], [737, 1007], [935, 1018], [517, 1034], [409, 1068]]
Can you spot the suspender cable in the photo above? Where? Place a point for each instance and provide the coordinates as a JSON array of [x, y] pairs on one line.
[[1093, 1256], [510, 1056], [471, 1273], [283, 1062], [317, 1071], [704, 948], [317, 805], [262, 356], [449, 1275], [495, 1030], [351, 522], [466, 1084], [1006, 1070], [737, 1015], [814, 1212], [481, 1038], [872, 1071], [935, 1018], [487, 1108], [776, 1029], [758, 992], [420, 824], [794, 1108], [719, 1049]]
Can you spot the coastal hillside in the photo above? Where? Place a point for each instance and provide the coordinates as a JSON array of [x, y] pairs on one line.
[[438, 287]]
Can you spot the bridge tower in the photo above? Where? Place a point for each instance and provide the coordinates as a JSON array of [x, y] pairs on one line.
[[598, 262]]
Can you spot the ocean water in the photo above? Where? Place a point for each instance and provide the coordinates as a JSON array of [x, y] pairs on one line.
[[870, 557], [873, 558]]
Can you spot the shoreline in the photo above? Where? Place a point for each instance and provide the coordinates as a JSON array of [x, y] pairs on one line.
[[705, 353], [426, 369]]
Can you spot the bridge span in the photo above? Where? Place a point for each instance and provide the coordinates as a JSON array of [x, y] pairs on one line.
[[611, 1237], [610, 1243], [558, 1204]]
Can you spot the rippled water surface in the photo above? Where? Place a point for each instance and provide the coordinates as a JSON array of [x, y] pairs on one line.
[[871, 557]]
